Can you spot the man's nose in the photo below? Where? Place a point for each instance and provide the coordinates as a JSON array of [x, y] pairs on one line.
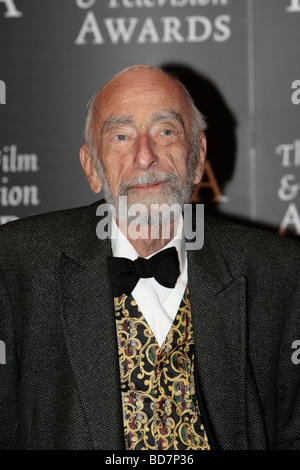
[[145, 155]]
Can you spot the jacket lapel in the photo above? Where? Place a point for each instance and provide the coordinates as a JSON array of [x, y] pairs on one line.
[[220, 326], [89, 328]]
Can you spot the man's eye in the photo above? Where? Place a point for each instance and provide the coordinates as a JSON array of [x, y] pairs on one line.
[[120, 137], [167, 132]]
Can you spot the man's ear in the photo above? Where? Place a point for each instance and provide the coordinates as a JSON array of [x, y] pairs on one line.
[[202, 150], [89, 168]]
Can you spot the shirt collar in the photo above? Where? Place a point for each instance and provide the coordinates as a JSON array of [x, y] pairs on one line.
[[121, 246]]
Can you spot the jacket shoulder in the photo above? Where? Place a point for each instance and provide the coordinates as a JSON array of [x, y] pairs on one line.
[[46, 232], [261, 249]]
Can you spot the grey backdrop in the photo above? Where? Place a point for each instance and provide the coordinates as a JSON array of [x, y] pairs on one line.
[[238, 58]]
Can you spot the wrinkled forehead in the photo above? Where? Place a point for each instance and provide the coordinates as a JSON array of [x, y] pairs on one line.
[[144, 87]]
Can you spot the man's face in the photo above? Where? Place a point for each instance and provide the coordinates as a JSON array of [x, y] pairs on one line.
[[142, 134]]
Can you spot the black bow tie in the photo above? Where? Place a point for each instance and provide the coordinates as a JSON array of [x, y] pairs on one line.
[[124, 274]]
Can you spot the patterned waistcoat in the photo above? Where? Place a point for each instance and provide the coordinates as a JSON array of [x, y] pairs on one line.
[[160, 408]]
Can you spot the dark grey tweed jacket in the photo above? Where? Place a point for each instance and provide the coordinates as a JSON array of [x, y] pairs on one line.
[[59, 388]]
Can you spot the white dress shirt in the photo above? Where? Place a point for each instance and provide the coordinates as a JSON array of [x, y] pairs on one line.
[[158, 304]]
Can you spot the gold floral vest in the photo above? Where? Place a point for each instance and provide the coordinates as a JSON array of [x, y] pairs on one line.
[[160, 408]]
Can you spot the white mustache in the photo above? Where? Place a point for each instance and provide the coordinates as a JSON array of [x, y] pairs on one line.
[[149, 178]]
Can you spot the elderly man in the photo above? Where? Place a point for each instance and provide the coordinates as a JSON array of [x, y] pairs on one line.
[[135, 342]]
